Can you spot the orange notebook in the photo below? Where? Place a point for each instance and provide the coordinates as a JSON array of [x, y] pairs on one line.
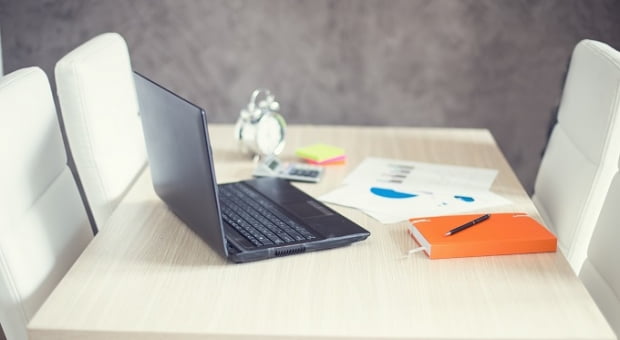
[[500, 234]]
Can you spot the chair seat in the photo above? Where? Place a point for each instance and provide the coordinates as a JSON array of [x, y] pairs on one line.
[[600, 271]]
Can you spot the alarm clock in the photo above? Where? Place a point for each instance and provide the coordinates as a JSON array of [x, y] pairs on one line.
[[260, 129]]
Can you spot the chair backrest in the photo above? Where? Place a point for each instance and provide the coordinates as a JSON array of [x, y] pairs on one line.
[[43, 222], [99, 107], [600, 271], [582, 153]]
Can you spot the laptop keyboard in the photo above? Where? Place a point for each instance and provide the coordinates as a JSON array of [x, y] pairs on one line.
[[257, 219]]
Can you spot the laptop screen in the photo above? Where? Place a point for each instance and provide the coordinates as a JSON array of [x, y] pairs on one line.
[[180, 159]]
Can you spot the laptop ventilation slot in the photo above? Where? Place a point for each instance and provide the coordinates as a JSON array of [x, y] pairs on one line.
[[290, 251]]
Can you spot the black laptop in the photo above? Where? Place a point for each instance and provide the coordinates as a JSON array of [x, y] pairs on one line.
[[243, 221]]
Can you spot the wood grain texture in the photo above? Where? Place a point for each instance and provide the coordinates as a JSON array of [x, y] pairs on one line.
[[146, 276]]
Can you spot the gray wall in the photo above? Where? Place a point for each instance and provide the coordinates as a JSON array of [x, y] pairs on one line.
[[1, 62], [497, 64]]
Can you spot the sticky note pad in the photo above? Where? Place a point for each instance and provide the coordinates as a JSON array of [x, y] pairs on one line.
[[331, 161], [319, 153]]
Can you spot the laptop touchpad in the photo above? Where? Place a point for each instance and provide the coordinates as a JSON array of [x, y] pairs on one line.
[[308, 209]]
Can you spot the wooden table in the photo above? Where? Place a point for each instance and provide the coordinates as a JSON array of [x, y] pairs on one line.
[[146, 276]]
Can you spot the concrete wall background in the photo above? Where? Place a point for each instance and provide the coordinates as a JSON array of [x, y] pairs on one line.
[[497, 64], [1, 62]]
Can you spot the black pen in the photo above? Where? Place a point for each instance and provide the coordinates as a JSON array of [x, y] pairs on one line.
[[468, 224]]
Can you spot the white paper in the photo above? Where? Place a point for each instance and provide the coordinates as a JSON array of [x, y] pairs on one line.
[[425, 204], [419, 175], [392, 191]]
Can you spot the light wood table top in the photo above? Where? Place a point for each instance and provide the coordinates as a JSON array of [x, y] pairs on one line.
[[147, 276]]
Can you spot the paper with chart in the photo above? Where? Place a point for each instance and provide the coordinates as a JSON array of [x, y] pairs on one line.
[[395, 190]]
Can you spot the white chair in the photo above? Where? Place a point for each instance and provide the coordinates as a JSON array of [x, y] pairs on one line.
[[600, 271], [43, 222], [583, 149], [99, 107]]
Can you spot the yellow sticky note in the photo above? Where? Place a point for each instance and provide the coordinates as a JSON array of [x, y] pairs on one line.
[[319, 152]]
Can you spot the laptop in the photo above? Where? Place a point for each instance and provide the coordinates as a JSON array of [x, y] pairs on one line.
[[243, 221]]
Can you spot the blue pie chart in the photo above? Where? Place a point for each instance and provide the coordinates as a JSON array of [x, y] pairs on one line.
[[466, 199], [390, 193]]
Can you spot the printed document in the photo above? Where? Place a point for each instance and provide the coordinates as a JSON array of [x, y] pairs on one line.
[[395, 190]]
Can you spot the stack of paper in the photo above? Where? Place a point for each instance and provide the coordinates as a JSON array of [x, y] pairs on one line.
[[322, 154], [394, 190]]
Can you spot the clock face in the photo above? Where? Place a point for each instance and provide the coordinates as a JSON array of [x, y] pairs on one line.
[[270, 134]]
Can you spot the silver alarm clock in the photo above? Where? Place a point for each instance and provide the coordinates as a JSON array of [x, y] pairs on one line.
[[260, 129]]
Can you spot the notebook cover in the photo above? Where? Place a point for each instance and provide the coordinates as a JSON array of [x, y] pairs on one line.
[[501, 234]]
